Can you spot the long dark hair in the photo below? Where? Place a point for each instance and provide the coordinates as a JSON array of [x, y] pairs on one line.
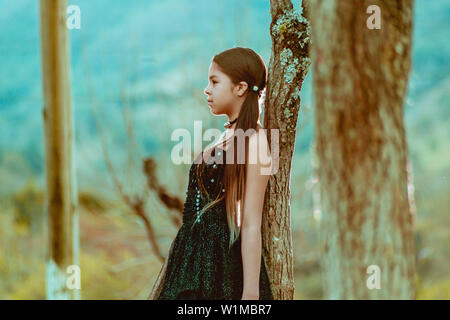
[[240, 64]]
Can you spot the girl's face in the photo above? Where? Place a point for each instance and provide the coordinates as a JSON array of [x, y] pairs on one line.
[[221, 96]]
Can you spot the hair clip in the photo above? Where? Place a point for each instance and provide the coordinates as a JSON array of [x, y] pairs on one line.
[[255, 88]]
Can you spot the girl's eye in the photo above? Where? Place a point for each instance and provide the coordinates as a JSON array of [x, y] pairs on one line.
[[214, 82]]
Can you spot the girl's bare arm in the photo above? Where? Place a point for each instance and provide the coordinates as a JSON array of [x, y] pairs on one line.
[[251, 243]]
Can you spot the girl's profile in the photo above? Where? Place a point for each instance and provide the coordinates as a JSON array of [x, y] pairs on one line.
[[216, 253]]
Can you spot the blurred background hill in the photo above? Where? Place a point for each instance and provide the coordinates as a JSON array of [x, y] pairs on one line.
[[147, 62]]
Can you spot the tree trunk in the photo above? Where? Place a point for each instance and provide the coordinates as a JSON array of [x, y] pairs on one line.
[[61, 197], [360, 81], [289, 64]]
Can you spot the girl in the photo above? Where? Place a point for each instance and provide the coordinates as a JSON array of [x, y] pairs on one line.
[[217, 251]]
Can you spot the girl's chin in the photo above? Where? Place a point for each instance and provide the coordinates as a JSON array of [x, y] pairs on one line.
[[212, 109]]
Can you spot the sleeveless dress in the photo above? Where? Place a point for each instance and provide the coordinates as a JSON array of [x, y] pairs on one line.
[[201, 266]]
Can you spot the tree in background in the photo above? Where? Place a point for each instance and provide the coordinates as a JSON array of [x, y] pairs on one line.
[[61, 192], [360, 82]]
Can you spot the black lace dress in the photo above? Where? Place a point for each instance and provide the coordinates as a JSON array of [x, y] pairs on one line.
[[200, 265]]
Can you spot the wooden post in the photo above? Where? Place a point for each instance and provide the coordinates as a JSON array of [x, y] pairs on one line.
[[60, 196]]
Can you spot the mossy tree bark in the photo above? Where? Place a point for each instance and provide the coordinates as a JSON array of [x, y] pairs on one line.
[[289, 64], [360, 82]]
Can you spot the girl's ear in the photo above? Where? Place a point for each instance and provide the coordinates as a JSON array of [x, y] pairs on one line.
[[241, 88]]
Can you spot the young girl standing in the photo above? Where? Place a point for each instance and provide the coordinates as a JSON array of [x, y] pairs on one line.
[[217, 253]]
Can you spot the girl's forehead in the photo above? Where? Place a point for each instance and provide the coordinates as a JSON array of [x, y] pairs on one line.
[[217, 74], [215, 71]]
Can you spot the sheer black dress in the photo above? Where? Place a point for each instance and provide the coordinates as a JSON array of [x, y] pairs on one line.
[[200, 265]]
